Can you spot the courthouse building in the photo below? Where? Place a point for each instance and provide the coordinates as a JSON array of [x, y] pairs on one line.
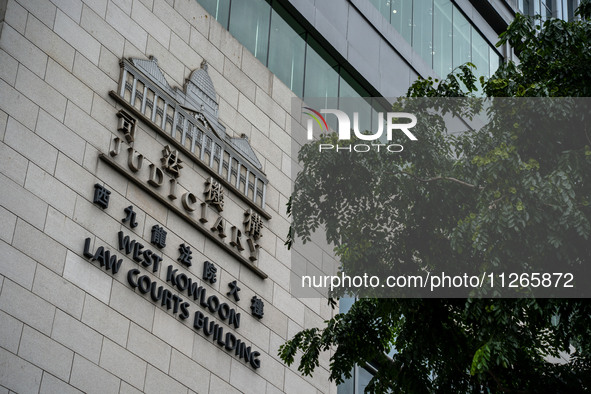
[[145, 169]]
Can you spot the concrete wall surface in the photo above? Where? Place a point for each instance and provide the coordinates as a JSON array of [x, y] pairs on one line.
[[69, 321]]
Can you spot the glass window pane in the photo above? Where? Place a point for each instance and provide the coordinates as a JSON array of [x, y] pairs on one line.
[[570, 9], [350, 94], [383, 6], [461, 38], [364, 376], [345, 303], [249, 23], [559, 10], [401, 18], [423, 29], [378, 106], [495, 60], [442, 37], [526, 7], [287, 50], [348, 386], [536, 7], [546, 9], [480, 54], [219, 9], [322, 79]]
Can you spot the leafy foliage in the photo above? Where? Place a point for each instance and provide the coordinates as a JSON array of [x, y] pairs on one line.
[[513, 194]]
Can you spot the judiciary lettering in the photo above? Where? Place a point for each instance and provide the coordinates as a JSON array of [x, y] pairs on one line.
[[214, 197]]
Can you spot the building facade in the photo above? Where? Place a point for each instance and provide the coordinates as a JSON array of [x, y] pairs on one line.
[[145, 169], [562, 9]]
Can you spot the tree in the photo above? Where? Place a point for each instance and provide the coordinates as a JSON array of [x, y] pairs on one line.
[[510, 194]]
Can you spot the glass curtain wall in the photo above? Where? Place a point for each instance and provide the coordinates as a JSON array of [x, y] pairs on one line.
[[461, 39], [322, 72], [400, 16], [439, 32], [357, 383], [287, 50], [442, 37], [250, 21], [562, 9], [349, 102], [219, 9], [322, 77], [360, 376], [269, 32], [422, 29]]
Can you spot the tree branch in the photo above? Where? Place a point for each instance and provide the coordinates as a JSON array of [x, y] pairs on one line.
[[494, 203], [440, 178]]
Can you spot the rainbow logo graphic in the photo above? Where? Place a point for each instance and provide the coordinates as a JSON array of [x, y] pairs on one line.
[[317, 115]]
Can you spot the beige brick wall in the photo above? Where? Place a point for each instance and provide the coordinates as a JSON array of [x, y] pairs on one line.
[[66, 324]]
